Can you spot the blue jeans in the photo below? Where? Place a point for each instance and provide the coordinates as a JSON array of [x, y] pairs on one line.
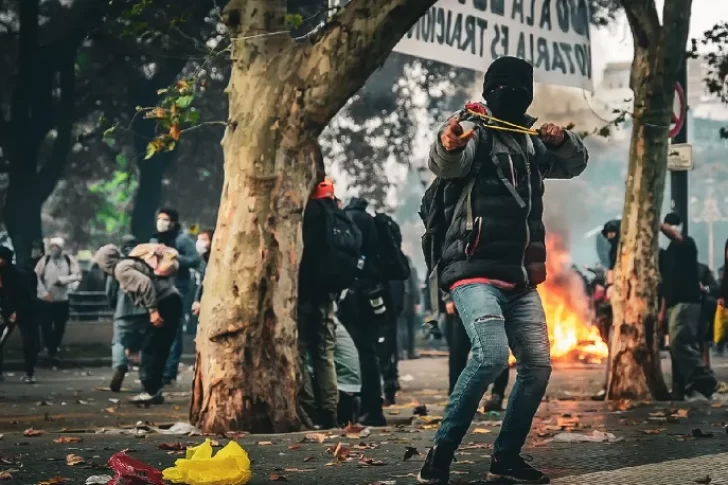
[[128, 334], [494, 319]]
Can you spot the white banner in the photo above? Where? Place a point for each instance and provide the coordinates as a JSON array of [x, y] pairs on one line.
[[553, 35]]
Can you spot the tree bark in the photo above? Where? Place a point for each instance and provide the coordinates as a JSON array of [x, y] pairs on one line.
[[659, 50], [281, 95]]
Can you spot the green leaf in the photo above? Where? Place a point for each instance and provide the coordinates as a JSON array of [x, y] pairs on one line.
[[171, 146], [151, 150], [122, 160], [162, 91], [109, 131], [192, 117], [294, 20], [185, 101]]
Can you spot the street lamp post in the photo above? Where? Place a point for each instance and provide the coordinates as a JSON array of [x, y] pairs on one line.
[[710, 214]]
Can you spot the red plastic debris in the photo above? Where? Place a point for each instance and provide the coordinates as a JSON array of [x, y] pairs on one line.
[[129, 471]]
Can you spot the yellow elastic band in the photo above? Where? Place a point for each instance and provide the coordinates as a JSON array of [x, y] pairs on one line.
[[514, 127]]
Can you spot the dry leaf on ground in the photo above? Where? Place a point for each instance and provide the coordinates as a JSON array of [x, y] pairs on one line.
[[30, 432], [652, 431], [409, 452], [294, 447], [72, 460], [6, 475], [54, 481], [354, 429], [370, 462], [62, 440], [681, 413], [315, 438], [704, 480], [481, 431], [265, 443], [173, 446], [299, 470], [274, 477]]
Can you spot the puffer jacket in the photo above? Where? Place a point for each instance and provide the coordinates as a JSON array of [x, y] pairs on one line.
[[507, 239]]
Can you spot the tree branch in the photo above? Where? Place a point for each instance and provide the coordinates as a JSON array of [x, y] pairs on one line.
[[52, 169], [352, 45], [642, 17]]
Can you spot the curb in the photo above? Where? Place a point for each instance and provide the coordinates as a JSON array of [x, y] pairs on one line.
[[17, 365]]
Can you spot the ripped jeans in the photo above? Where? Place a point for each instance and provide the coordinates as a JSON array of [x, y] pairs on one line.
[[494, 319]]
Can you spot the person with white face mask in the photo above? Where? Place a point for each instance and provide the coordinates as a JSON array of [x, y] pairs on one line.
[[170, 234], [203, 244], [57, 273], [681, 302]]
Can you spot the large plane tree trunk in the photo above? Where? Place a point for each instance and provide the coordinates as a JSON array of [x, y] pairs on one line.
[[282, 93], [659, 52]]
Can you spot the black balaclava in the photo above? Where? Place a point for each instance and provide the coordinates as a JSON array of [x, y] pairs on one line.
[[508, 88]]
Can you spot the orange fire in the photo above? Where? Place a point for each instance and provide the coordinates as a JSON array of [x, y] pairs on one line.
[[569, 314]]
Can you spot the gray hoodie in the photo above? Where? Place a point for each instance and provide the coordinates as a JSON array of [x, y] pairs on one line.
[[135, 277]]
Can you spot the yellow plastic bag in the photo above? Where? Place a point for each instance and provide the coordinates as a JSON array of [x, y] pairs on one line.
[[230, 466], [720, 325]]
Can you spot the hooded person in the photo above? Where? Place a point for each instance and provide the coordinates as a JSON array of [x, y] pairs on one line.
[[490, 181], [9, 297], [170, 233], [58, 272], [131, 322], [150, 284]]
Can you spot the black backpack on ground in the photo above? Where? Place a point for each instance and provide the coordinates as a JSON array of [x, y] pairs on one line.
[[393, 262], [339, 266]]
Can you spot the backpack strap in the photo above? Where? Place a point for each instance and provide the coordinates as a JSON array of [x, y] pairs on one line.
[[466, 197]]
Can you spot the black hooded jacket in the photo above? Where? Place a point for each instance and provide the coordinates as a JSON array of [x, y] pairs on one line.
[[357, 210]]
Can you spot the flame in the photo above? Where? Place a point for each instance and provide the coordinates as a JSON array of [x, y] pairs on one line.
[[569, 314]]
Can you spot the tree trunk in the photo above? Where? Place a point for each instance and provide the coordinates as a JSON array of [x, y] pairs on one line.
[[149, 194], [22, 217], [635, 360], [281, 96]]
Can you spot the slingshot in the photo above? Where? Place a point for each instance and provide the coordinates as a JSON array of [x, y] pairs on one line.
[[510, 127]]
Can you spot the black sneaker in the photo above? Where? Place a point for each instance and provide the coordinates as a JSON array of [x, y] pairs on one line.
[[374, 420], [601, 395], [514, 469], [495, 403], [117, 379], [436, 470]]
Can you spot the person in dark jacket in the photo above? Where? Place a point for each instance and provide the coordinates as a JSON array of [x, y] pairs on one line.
[[494, 255], [710, 290], [319, 396], [203, 246], [682, 300], [10, 295], [169, 232], [722, 293], [29, 317], [131, 322], [408, 320], [363, 313]]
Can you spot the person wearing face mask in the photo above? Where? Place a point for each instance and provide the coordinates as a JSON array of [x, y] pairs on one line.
[[681, 302], [203, 245], [489, 191], [57, 272], [171, 235]]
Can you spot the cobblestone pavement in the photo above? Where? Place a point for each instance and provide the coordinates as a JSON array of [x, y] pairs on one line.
[[656, 443]]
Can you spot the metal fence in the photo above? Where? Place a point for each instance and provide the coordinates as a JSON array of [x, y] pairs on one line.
[[89, 306]]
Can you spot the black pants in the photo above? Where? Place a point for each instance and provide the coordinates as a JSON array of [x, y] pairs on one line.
[[357, 316], [389, 355], [53, 319], [407, 331], [459, 345], [158, 341]]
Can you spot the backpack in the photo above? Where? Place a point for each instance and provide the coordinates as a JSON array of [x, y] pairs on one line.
[[163, 265], [340, 265], [393, 262]]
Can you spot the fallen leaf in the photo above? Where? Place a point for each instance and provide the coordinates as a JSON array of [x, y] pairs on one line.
[[705, 480], [393, 413], [294, 447], [307, 459], [340, 452], [481, 431], [652, 431], [299, 470], [110, 410], [30, 432], [274, 477], [365, 433], [173, 446], [265, 443], [6, 476], [699, 433], [370, 462], [681, 413], [410, 452], [54, 481], [72, 460], [67, 439], [315, 438]]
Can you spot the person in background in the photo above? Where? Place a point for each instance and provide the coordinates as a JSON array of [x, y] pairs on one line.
[[408, 319], [28, 319], [169, 232], [10, 294], [203, 246], [681, 306], [723, 293], [710, 290], [319, 395], [57, 272], [362, 313], [131, 322], [155, 290]]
